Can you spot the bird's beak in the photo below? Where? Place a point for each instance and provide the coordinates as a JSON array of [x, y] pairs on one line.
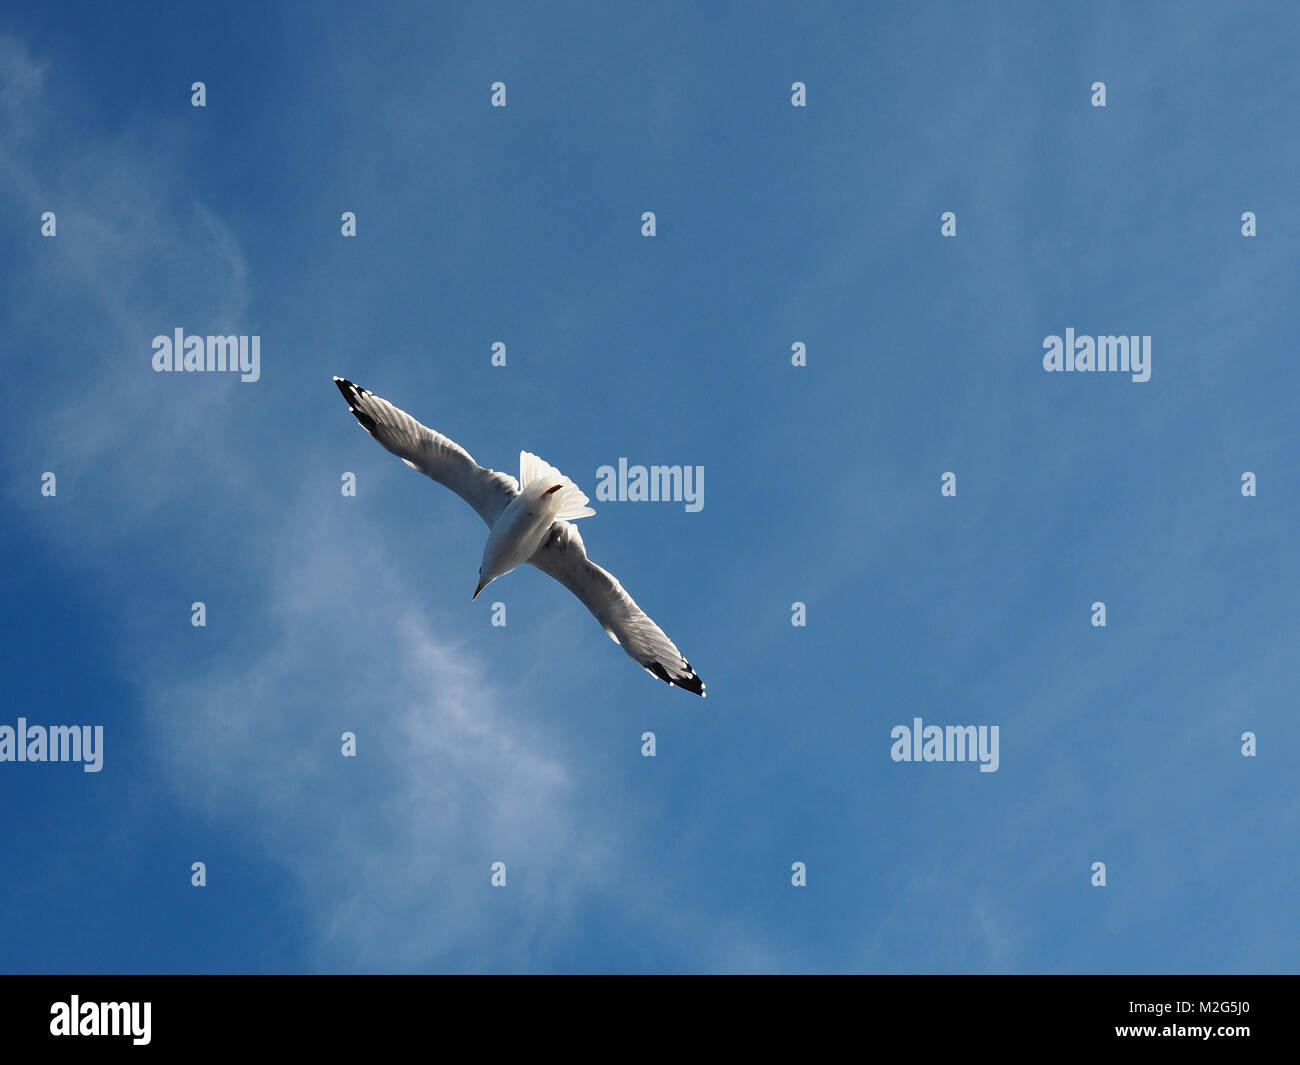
[[481, 586]]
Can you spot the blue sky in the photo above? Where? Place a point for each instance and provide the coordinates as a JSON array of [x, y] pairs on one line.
[[522, 744]]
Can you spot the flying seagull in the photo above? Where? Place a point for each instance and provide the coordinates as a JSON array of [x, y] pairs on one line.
[[531, 520]]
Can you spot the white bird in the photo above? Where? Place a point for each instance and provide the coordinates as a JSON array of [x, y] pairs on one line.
[[531, 520]]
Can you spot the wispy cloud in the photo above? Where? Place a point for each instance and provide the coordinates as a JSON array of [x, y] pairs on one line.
[[396, 877], [392, 849]]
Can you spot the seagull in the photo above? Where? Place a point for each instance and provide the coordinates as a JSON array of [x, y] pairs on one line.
[[530, 520]]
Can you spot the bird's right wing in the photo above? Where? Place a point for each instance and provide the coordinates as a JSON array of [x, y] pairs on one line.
[[434, 455], [564, 557]]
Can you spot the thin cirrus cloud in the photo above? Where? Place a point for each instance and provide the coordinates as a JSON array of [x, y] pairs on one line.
[[139, 255], [386, 848], [818, 225], [389, 853]]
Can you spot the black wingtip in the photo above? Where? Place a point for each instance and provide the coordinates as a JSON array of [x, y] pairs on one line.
[[690, 683], [693, 684], [353, 393]]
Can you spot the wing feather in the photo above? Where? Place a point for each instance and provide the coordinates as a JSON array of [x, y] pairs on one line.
[[431, 453], [564, 557]]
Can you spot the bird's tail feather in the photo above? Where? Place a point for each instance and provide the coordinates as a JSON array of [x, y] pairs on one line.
[[541, 477]]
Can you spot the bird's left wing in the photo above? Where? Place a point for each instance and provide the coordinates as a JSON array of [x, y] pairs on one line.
[[434, 455], [564, 557]]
